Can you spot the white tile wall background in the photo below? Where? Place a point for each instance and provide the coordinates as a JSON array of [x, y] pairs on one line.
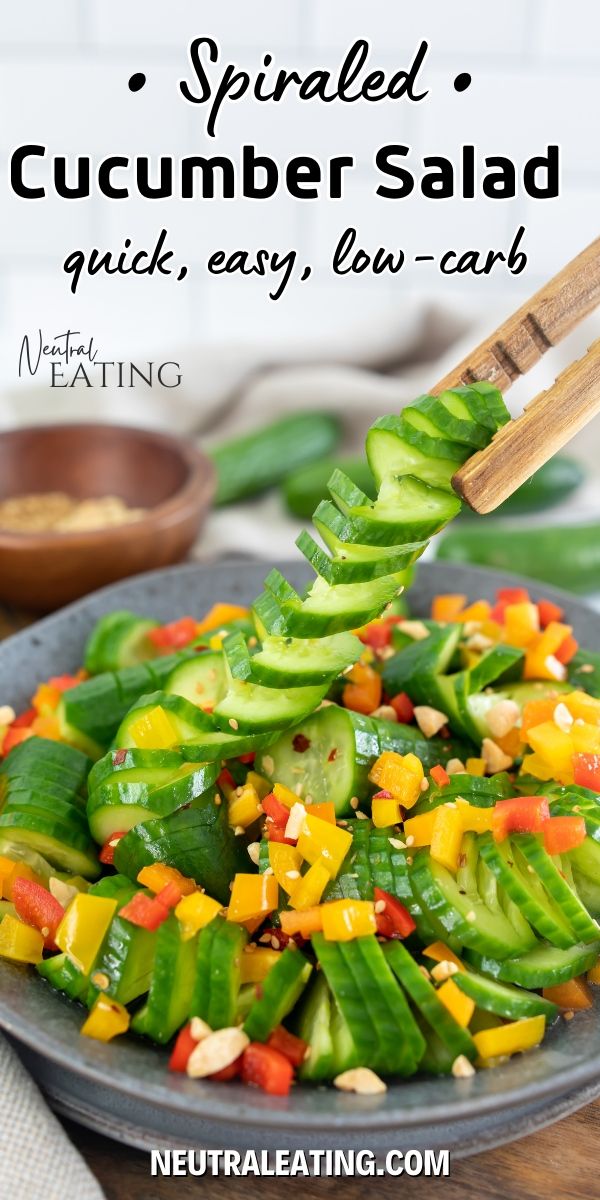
[[64, 67]]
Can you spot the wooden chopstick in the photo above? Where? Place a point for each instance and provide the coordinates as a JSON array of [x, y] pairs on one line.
[[553, 417], [549, 421]]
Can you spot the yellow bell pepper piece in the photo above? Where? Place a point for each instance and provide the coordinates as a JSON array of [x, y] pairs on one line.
[[156, 876], [554, 747], [420, 828], [586, 739], [220, 614], [510, 1039], [460, 1006], [475, 766], [154, 731], [540, 662], [320, 841], [347, 919], [400, 774], [286, 862], [83, 927], [384, 811], [246, 808], [252, 896], [521, 624], [285, 795], [582, 707], [310, 887], [107, 1019], [256, 963], [447, 837], [19, 942], [440, 952], [480, 610], [261, 786], [474, 820], [534, 764], [194, 912]]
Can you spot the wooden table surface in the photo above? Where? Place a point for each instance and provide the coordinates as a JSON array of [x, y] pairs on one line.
[[559, 1163]]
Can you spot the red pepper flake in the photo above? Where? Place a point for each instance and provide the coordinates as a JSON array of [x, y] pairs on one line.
[[331, 757], [300, 743], [119, 757]]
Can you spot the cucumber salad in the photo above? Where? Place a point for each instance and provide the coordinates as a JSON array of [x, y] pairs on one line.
[[321, 839]]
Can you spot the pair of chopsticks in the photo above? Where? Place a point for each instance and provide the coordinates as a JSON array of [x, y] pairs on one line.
[[554, 416]]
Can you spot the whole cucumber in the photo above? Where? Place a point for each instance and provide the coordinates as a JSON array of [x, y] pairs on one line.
[[554, 482], [567, 556], [303, 490], [250, 464]]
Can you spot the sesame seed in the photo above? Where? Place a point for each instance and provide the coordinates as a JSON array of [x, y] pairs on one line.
[[379, 906], [410, 841], [471, 916], [233, 723], [239, 830], [100, 980], [354, 802]]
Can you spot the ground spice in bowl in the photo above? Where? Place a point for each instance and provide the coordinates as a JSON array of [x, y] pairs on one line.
[[57, 512]]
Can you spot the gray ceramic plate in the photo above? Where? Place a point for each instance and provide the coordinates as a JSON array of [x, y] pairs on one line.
[[124, 1089]]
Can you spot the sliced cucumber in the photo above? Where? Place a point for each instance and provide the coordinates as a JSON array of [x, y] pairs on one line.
[[329, 755], [251, 708], [407, 510], [118, 806], [451, 416], [421, 660], [463, 916], [280, 991], [220, 990], [526, 891], [200, 680], [503, 999], [118, 639], [314, 1026], [423, 995], [401, 1044], [391, 451], [544, 966], [197, 840], [46, 758], [349, 999], [326, 609], [583, 926], [359, 564], [285, 662], [59, 844], [170, 994]]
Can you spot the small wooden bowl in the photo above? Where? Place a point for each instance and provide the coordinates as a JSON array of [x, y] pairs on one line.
[[170, 477]]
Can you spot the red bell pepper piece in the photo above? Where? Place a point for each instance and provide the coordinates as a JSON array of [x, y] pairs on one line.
[[175, 635], [13, 737], [549, 611], [403, 708], [182, 1049], [292, 1047], [563, 833], [145, 911], [394, 921], [227, 1073], [377, 636], [506, 596], [275, 810], [247, 758], [107, 853], [37, 906], [24, 719], [169, 895], [586, 771], [63, 683], [267, 1068], [520, 814], [440, 775], [225, 779], [567, 649]]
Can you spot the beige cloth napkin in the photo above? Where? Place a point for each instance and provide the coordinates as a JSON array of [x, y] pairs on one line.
[[37, 1160]]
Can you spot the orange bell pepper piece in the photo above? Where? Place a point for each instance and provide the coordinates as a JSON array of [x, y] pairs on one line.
[[447, 607], [304, 922], [252, 896], [440, 952], [158, 875], [221, 614], [521, 623], [362, 693], [454, 1000], [575, 994], [540, 656]]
